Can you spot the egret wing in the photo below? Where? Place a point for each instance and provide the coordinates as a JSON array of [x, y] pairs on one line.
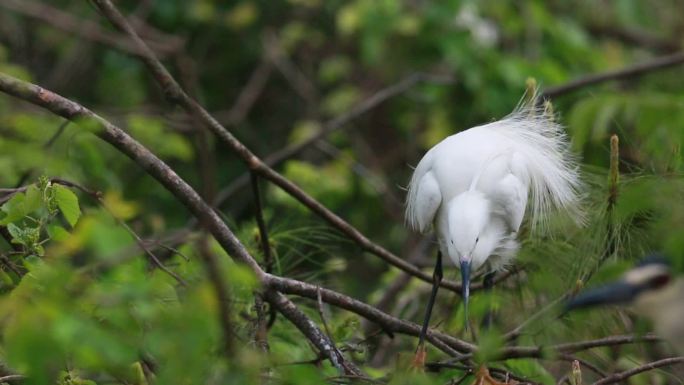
[[510, 195], [425, 202]]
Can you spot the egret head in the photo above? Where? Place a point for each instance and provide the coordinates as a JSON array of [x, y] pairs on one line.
[[640, 287], [468, 240]]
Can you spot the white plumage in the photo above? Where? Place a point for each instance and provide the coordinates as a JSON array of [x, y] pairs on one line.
[[473, 187]]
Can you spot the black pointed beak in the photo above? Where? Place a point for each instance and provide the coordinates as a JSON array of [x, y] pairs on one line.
[[616, 293], [465, 288]]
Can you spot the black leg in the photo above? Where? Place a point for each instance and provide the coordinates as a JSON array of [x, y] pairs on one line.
[[436, 280], [487, 284]]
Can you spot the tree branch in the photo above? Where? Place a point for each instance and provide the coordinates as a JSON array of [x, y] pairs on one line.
[[154, 166], [384, 320], [175, 93], [333, 125], [631, 35], [617, 377], [631, 72], [85, 29], [573, 347], [309, 329]]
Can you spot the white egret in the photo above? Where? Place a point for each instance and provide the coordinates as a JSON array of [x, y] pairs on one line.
[[651, 291], [473, 188]]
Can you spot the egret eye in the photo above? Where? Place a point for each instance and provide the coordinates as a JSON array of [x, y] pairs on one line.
[[477, 239]]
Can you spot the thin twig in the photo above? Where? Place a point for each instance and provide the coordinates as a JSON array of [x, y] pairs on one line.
[[139, 241], [384, 320], [12, 378], [634, 36], [309, 329], [319, 302], [588, 365], [8, 263], [97, 196], [573, 347], [335, 124], [263, 237], [533, 318], [631, 72], [250, 92], [614, 175], [86, 29], [263, 231], [297, 80], [617, 377]]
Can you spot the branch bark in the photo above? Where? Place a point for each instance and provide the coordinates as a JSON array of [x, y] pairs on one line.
[[630, 72], [176, 94], [277, 158], [573, 347], [384, 320], [85, 29], [154, 166], [621, 376]]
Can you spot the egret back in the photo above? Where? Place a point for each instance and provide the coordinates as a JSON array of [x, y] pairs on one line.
[[526, 143], [553, 171]]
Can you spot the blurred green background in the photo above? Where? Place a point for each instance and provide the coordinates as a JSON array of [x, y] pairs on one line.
[[92, 309]]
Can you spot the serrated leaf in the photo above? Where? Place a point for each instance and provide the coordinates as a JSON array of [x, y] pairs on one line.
[[67, 202]]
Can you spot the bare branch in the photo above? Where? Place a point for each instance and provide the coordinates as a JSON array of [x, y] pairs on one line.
[[358, 110], [249, 94], [631, 72], [154, 166], [12, 378], [175, 93], [263, 231], [333, 125], [634, 36], [617, 377], [384, 320], [574, 347], [85, 29], [308, 328]]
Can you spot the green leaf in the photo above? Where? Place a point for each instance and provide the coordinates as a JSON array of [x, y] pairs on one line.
[[16, 233], [32, 262], [14, 209], [34, 199], [5, 279], [21, 204], [57, 233], [67, 202]]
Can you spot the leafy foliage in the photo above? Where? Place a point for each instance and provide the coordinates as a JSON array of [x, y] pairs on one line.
[[82, 303]]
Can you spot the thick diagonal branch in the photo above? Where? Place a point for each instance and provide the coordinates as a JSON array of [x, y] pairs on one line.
[[154, 166], [382, 319], [175, 93]]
